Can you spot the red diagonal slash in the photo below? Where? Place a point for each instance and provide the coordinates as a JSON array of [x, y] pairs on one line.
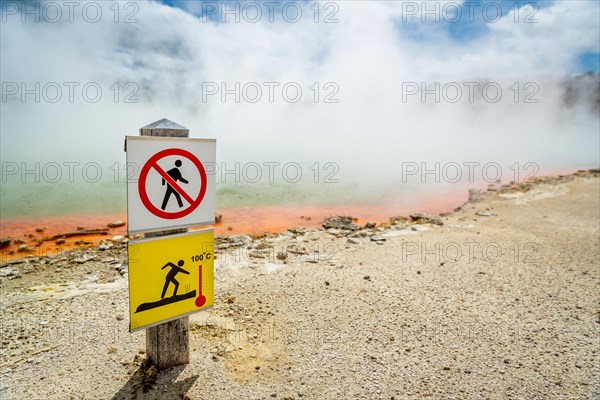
[[171, 182], [152, 163]]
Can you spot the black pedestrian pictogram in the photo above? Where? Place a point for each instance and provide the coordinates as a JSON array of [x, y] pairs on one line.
[[193, 166], [170, 278], [175, 269], [175, 174]]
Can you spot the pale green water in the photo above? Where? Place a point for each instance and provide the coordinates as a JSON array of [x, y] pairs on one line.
[[29, 199]]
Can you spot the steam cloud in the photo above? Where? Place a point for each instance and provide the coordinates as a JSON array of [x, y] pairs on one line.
[[371, 55]]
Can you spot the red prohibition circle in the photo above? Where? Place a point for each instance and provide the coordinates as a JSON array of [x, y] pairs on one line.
[[153, 162]]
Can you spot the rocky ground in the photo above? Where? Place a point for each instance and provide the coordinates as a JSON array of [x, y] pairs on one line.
[[498, 300]]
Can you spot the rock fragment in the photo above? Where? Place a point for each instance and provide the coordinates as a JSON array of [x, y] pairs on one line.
[[341, 222], [422, 218]]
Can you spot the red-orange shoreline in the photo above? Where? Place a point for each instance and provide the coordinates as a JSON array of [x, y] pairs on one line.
[[253, 220], [256, 220]]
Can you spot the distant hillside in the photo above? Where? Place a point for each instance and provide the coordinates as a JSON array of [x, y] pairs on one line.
[[582, 89]]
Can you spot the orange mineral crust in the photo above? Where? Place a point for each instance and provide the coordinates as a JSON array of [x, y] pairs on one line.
[[48, 235]]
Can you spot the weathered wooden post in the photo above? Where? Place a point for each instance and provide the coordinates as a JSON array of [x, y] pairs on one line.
[[168, 191], [167, 345]]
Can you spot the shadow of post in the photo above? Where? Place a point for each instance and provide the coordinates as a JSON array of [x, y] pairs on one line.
[[141, 384]]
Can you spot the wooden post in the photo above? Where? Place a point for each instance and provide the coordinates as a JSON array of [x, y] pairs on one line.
[[167, 344]]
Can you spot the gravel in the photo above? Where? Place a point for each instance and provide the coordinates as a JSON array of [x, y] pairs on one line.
[[409, 320]]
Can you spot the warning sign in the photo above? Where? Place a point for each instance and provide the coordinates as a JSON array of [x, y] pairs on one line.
[[168, 185], [170, 277], [171, 178]]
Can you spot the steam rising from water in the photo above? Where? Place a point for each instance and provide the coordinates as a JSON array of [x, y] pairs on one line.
[[371, 134]]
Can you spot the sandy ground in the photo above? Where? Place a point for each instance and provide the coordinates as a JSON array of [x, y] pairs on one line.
[[504, 305]]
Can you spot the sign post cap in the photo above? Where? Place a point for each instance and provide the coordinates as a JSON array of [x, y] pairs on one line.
[[166, 128]]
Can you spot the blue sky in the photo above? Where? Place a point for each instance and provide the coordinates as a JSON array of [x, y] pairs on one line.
[[473, 25], [465, 30], [589, 62]]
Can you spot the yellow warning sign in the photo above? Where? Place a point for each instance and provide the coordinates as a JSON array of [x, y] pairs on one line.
[[170, 277]]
